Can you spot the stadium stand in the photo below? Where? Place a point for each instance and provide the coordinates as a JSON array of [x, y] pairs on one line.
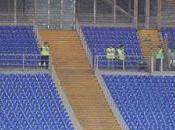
[[31, 102], [79, 84], [18, 40], [99, 38], [105, 93], [145, 102], [169, 33], [18, 46]]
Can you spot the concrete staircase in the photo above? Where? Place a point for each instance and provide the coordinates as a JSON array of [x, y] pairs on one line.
[[150, 40], [79, 83]]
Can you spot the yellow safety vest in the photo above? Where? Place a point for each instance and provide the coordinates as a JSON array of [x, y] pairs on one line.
[[160, 54], [45, 51], [121, 54], [110, 53]]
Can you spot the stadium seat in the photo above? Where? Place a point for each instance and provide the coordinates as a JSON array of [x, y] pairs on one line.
[[16, 41], [31, 102], [169, 32], [99, 38], [145, 102]]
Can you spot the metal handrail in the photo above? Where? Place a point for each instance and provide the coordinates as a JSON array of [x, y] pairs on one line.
[[85, 46], [66, 103], [113, 106], [141, 63]]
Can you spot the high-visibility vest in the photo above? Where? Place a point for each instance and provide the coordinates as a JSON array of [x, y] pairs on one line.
[[160, 54], [45, 51], [110, 53], [121, 54]]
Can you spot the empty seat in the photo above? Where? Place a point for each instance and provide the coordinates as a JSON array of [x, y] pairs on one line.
[[169, 33], [18, 40], [145, 102], [31, 102], [99, 38]]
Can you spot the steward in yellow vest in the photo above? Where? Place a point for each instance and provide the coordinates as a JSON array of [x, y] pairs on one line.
[[110, 53], [159, 57], [45, 51], [121, 53], [45, 55], [160, 54]]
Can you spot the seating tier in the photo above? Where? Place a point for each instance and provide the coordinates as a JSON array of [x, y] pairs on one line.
[[145, 102], [31, 102], [100, 38]]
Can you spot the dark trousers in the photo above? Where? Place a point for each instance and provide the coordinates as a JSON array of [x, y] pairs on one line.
[[120, 63], [45, 60], [158, 62]]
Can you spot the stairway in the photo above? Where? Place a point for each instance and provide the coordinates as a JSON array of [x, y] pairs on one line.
[[150, 40], [79, 83]]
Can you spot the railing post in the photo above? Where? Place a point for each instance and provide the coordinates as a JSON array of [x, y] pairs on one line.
[[115, 9], [74, 19], [152, 64], [48, 15], [23, 61], [112, 65], [15, 13], [94, 62], [108, 63], [50, 62], [95, 6], [123, 66], [161, 65], [61, 14], [147, 17], [136, 13], [97, 59], [159, 13]]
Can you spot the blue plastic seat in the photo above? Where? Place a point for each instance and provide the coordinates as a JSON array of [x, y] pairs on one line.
[[145, 102], [99, 38], [31, 101], [17, 40]]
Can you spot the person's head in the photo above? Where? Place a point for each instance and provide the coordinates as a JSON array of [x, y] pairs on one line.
[[46, 44], [121, 46]]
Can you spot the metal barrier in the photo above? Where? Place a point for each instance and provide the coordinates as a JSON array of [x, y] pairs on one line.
[[25, 61], [167, 64], [85, 45], [113, 106], [131, 63], [47, 14], [135, 63], [67, 105]]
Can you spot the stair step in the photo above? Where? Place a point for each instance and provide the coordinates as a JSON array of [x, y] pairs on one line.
[[150, 40], [79, 83]]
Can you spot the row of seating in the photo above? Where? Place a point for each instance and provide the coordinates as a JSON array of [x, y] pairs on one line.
[[24, 34], [145, 102], [169, 33], [100, 38], [18, 40], [18, 60], [31, 102]]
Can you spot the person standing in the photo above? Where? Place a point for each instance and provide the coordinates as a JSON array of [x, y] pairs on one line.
[[110, 56], [110, 53], [45, 55], [120, 56], [121, 53], [159, 58]]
